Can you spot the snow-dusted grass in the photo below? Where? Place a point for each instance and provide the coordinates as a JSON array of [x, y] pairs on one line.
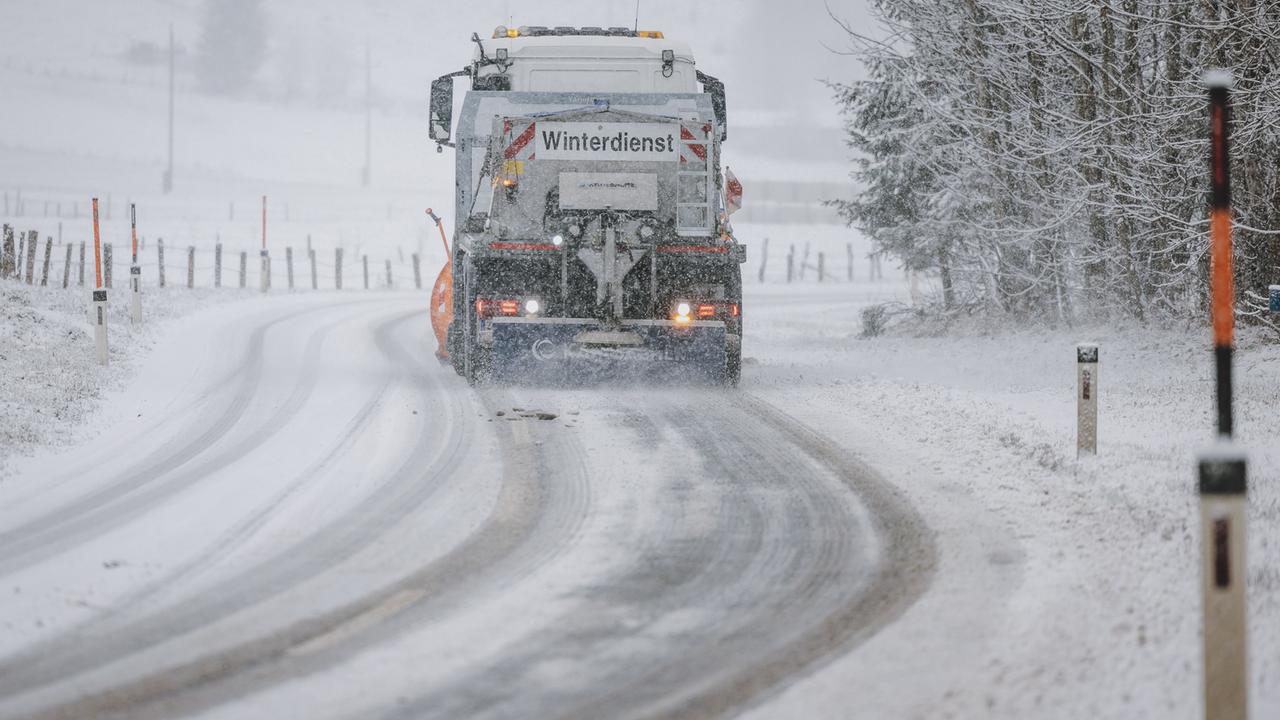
[[50, 381], [1065, 589]]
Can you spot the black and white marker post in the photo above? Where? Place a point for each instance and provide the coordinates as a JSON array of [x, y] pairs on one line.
[[99, 292], [1223, 469], [1086, 399], [135, 270]]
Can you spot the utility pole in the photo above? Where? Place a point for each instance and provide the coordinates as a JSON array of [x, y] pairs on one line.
[[168, 173], [365, 176]]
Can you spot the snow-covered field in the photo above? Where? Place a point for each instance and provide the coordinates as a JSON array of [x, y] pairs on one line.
[[1064, 589], [48, 368]]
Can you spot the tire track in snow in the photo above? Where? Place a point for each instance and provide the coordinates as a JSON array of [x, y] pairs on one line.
[[771, 590], [528, 507], [338, 539], [69, 644], [153, 481]]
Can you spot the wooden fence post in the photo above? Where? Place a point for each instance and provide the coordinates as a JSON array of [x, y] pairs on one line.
[[389, 285], [821, 265], [244, 267], [191, 267], [48, 255], [764, 259], [791, 263], [81, 276], [66, 269], [106, 262], [337, 268], [160, 258], [417, 271], [848, 248], [217, 265], [288, 262], [366, 271], [7, 250], [315, 281], [32, 238]]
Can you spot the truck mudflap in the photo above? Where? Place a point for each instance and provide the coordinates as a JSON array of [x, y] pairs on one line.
[[559, 349]]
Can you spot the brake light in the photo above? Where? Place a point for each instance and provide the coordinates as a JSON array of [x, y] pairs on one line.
[[710, 310], [487, 307]]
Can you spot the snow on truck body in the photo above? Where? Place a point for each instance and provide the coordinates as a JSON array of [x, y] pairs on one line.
[[588, 196]]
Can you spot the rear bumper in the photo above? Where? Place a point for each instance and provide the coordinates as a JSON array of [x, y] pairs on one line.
[[531, 342]]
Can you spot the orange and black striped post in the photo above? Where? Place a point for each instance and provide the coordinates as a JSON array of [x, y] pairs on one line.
[[99, 292], [135, 270], [1221, 271], [1223, 489]]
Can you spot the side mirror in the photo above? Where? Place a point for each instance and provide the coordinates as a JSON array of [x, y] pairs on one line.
[[715, 88], [441, 123]]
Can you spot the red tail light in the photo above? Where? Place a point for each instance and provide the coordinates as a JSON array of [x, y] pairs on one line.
[[717, 310], [488, 307]]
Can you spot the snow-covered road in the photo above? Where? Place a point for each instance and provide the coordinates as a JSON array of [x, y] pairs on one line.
[[293, 510]]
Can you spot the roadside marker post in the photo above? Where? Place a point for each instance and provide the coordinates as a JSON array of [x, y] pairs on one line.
[[1274, 292], [135, 270], [288, 263], [1223, 505], [217, 265], [315, 281], [1086, 399], [1223, 471], [264, 279], [99, 292]]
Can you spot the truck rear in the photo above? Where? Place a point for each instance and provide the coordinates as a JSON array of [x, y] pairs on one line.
[[593, 232]]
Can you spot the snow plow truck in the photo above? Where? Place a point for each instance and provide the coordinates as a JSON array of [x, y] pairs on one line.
[[591, 223]]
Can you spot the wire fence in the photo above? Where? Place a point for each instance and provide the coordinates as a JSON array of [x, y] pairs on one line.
[[27, 257]]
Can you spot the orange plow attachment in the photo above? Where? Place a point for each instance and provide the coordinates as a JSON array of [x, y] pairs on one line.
[[442, 297], [442, 309]]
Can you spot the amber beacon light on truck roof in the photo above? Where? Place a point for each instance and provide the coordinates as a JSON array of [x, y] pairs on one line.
[[502, 31]]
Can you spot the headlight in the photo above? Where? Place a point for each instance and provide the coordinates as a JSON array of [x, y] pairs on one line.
[[532, 306], [557, 240], [682, 308]]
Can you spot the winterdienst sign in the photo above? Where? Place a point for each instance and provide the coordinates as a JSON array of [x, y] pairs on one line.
[[608, 141]]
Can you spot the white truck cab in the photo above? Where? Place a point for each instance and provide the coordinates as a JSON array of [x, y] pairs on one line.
[[552, 60], [558, 60]]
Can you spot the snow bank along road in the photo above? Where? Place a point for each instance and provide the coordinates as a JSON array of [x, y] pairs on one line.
[[293, 510]]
